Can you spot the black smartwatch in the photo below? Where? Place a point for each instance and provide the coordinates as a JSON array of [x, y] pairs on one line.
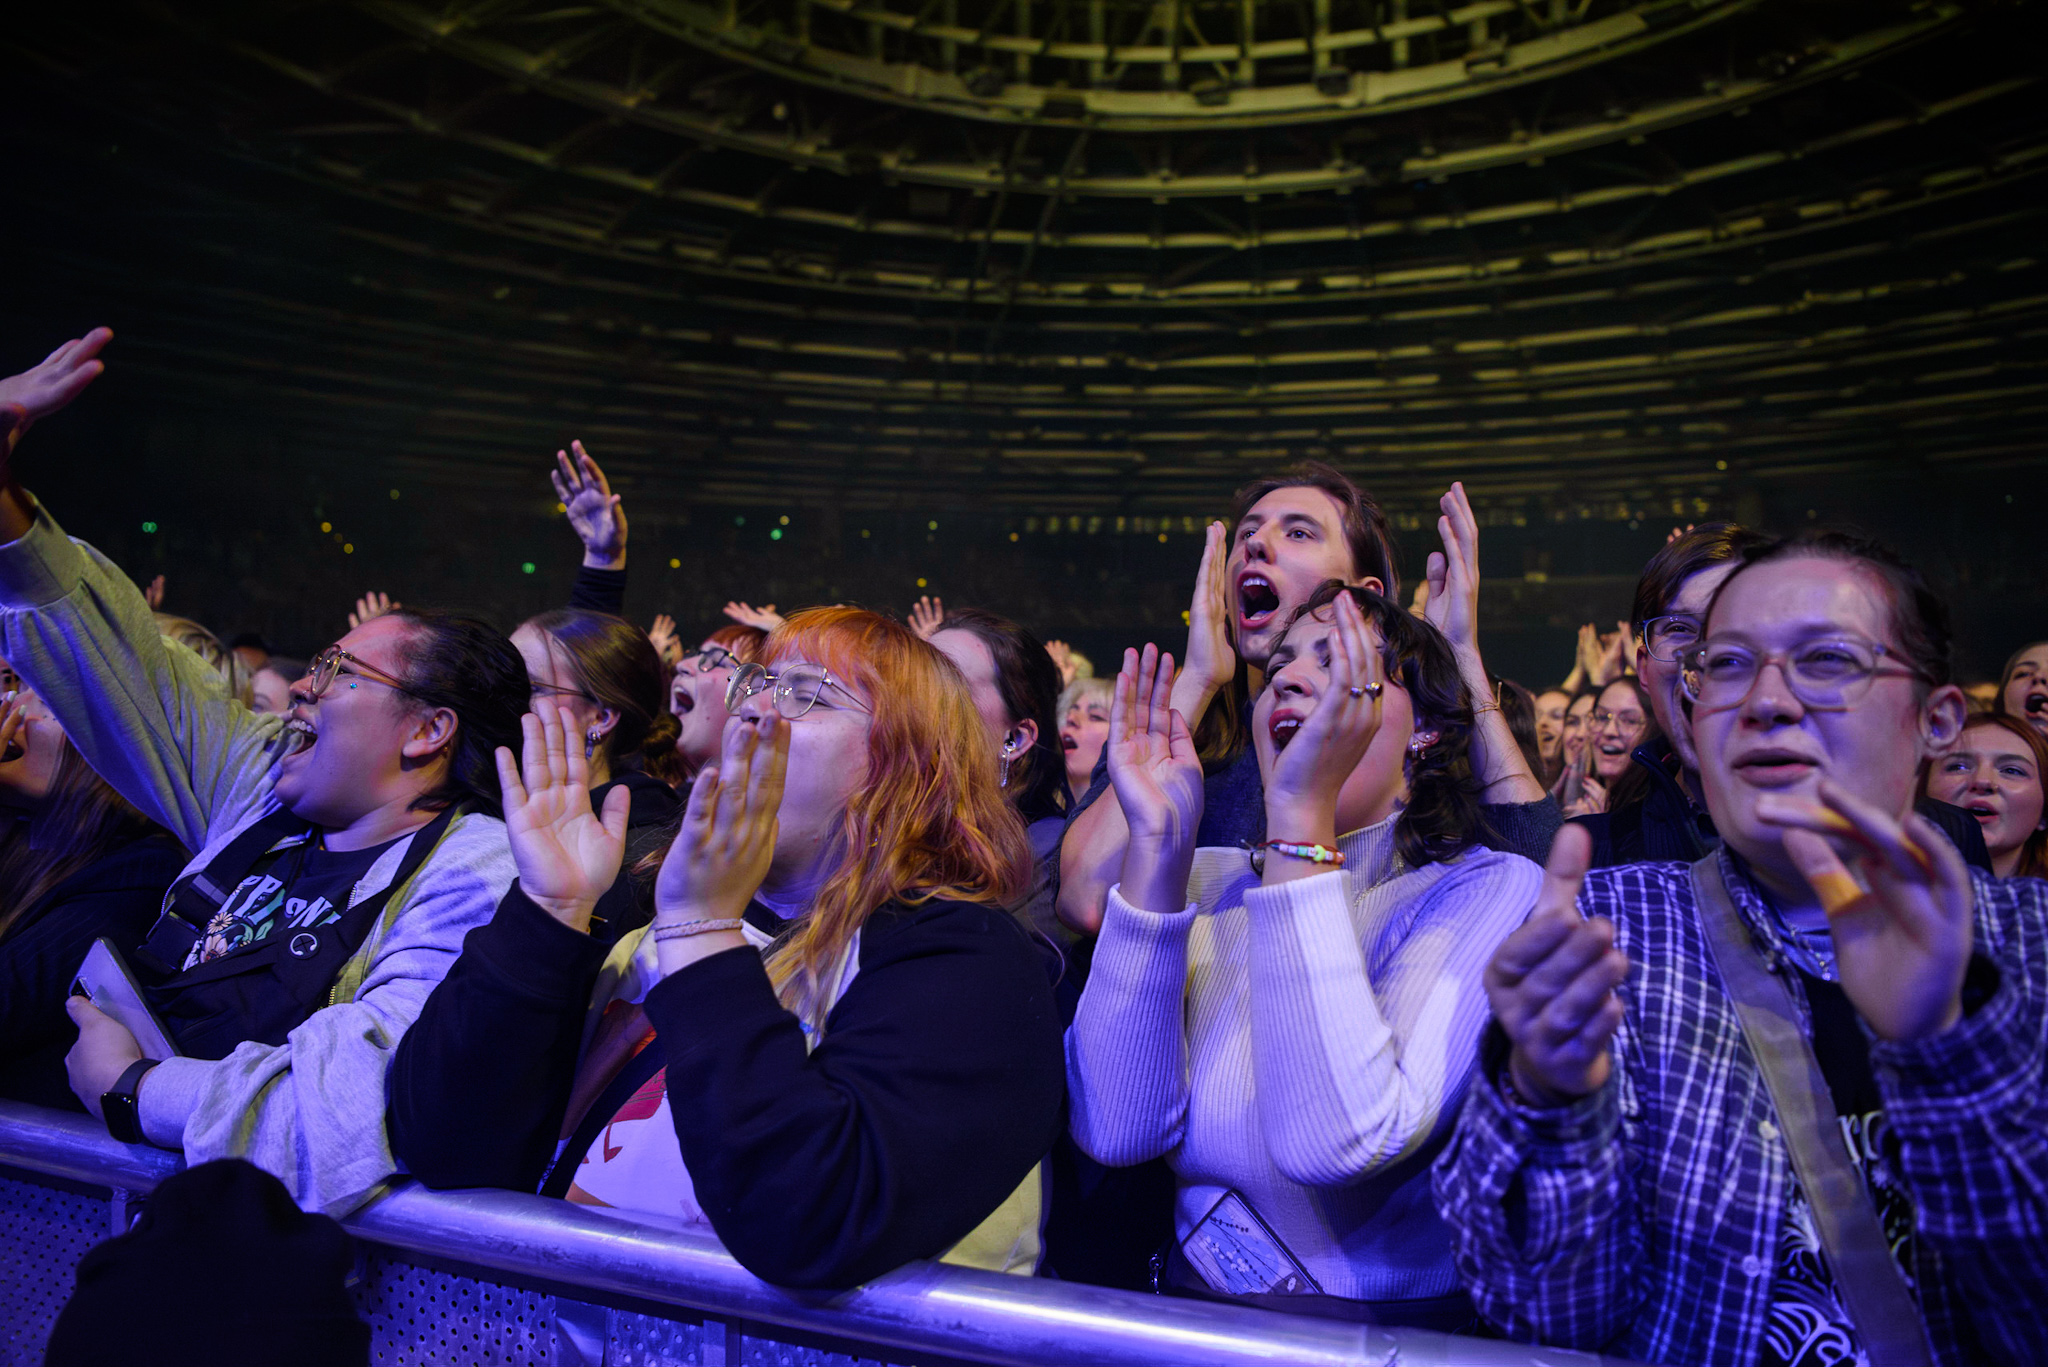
[[118, 1107]]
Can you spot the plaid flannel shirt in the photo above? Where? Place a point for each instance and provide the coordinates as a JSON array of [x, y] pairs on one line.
[[1644, 1219]]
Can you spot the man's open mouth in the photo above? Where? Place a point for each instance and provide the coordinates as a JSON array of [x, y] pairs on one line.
[[1257, 600]]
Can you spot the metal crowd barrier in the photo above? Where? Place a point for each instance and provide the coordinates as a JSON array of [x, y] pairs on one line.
[[487, 1277]]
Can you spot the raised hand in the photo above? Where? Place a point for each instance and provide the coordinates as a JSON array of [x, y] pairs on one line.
[[1617, 649], [370, 607], [727, 839], [927, 615], [1453, 574], [1301, 789], [1552, 985], [1592, 798], [1900, 909], [667, 644], [597, 514], [1062, 660], [567, 855], [42, 389], [1211, 659], [1158, 780], [764, 618], [154, 594]]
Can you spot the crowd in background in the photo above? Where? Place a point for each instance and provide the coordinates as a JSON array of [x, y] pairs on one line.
[[1692, 1008]]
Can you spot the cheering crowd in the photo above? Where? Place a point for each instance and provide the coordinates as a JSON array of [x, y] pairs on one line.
[[1694, 1009]]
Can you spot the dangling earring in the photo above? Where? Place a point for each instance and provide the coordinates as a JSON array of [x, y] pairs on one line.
[[1003, 774], [589, 744]]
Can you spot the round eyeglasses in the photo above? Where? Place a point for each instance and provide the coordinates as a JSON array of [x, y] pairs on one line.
[[1667, 638], [792, 690], [1829, 673]]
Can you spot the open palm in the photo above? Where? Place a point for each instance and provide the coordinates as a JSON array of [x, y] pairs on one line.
[[566, 854], [1152, 761]]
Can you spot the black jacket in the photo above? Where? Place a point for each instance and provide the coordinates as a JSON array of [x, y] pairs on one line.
[[117, 896], [1666, 827], [938, 1085]]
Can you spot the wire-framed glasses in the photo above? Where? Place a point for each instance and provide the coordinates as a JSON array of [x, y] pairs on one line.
[[792, 690], [334, 661], [708, 659], [1831, 673], [1667, 638]]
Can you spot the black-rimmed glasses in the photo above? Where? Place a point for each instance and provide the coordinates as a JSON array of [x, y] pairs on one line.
[[708, 659]]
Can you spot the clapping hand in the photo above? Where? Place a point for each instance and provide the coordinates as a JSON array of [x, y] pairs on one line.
[[1552, 985], [42, 389], [1453, 574], [1900, 909], [727, 839], [1211, 659], [370, 607], [567, 855], [927, 615], [597, 514], [1158, 780], [153, 594], [1303, 780], [763, 618]]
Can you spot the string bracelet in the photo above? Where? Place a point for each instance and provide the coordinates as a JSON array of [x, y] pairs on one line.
[[683, 930], [1484, 708]]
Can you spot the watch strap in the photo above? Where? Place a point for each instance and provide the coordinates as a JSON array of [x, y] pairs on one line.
[[119, 1107]]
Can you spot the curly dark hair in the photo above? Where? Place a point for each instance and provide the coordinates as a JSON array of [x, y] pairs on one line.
[[1442, 818]]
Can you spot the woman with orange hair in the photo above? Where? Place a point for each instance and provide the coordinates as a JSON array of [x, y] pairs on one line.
[[832, 1045]]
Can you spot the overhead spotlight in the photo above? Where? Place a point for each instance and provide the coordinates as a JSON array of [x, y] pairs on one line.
[[985, 83], [1334, 82], [1210, 93]]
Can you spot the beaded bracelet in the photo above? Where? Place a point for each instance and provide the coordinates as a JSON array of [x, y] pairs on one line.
[[683, 930], [1315, 854]]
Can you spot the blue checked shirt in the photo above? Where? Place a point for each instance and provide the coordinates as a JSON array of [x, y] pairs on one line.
[[1644, 1220]]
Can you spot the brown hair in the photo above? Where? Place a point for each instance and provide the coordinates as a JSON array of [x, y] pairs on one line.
[[1703, 547], [2012, 662], [78, 822], [1365, 526], [2033, 862], [614, 664]]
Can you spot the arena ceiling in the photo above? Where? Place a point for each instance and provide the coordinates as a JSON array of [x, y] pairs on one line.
[[1082, 257]]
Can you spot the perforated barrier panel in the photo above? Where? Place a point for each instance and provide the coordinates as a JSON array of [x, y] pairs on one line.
[[44, 1231]]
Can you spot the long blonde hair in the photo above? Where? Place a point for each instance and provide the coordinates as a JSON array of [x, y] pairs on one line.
[[928, 823]]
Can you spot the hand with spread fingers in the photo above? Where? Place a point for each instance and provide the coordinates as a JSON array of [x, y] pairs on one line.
[[726, 843], [1552, 984], [44, 388], [1158, 781], [1306, 777], [1211, 660], [567, 855], [370, 607], [667, 644], [763, 618], [1899, 901], [596, 513], [927, 615]]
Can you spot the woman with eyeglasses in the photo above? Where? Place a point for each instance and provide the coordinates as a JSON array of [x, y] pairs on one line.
[[833, 1045], [696, 692], [605, 673], [343, 851], [1619, 722]]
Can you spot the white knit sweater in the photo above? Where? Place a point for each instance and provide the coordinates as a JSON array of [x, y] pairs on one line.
[[1306, 1045]]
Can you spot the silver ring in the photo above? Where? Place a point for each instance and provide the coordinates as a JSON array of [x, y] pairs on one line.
[[1357, 692]]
